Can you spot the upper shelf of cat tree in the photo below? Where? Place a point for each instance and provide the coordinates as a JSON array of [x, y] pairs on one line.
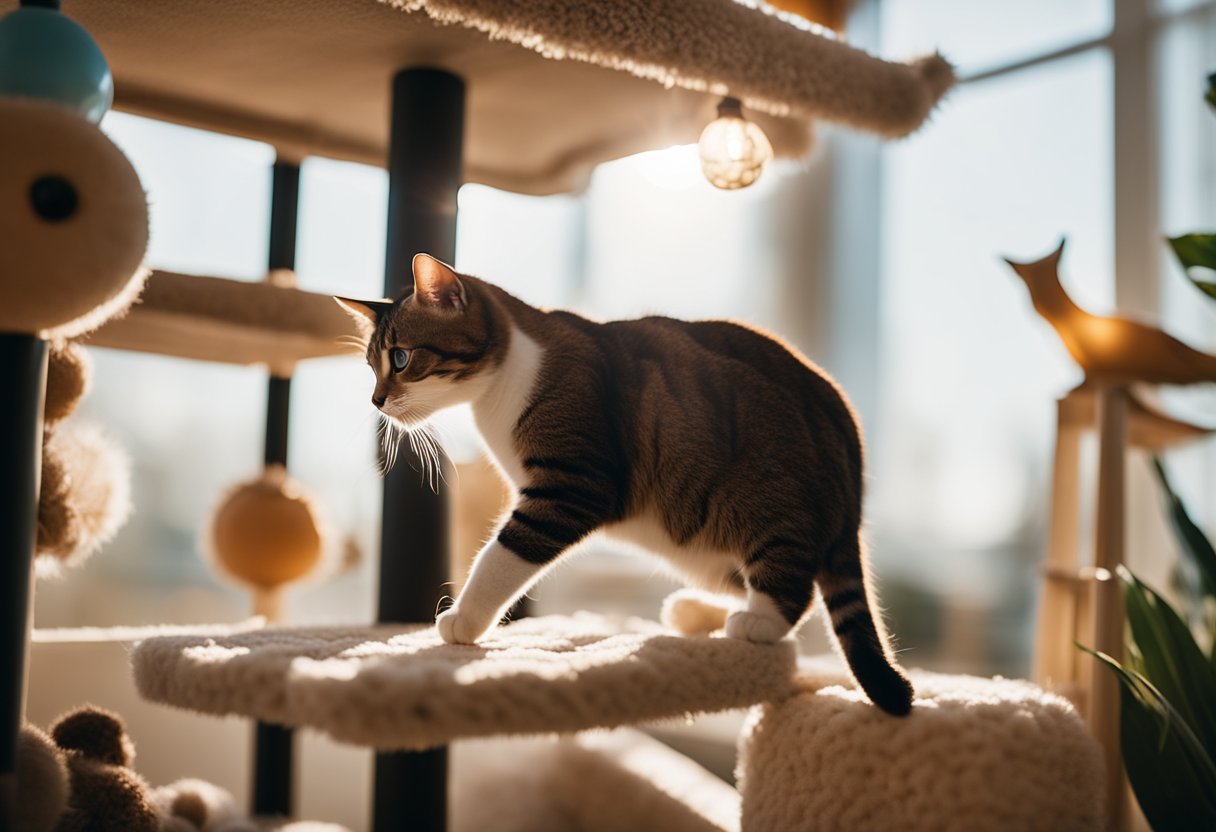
[[553, 88], [402, 688], [233, 321]]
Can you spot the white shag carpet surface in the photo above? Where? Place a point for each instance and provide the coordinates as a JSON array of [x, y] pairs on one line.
[[403, 688], [993, 754]]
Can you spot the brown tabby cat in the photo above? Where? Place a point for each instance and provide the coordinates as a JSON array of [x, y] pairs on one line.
[[709, 443]]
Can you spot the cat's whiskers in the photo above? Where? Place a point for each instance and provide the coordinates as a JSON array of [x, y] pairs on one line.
[[433, 453], [424, 442], [390, 441]]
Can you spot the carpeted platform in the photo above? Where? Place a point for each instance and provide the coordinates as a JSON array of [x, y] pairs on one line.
[[394, 688], [1001, 755]]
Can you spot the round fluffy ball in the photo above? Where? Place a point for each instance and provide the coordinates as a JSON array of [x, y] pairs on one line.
[[69, 373], [267, 532], [58, 525], [196, 803], [109, 798], [42, 781], [96, 734], [74, 220], [85, 497]]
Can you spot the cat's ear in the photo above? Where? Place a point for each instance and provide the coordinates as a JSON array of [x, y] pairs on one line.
[[436, 284], [367, 314]]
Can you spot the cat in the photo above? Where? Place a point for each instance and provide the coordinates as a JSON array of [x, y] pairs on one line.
[[709, 443]]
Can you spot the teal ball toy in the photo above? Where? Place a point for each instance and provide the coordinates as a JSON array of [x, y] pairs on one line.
[[47, 56]]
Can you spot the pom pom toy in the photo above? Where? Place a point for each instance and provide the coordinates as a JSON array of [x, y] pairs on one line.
[[80, 779], [42, 781], [267, 533], [85, 496], [106, 793], [69, 375], [188, 805]]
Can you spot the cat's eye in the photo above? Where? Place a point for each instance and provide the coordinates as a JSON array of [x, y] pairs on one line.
[[399, 357]]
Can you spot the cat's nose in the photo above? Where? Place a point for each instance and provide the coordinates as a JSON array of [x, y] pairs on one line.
[[379, 401]]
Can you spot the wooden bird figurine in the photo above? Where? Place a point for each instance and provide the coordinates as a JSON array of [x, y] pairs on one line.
[[1111, 350]]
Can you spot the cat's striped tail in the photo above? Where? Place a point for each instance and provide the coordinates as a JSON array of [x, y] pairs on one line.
[[860, 632]]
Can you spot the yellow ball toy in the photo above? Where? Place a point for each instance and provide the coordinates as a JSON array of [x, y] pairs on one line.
[[267, 533]]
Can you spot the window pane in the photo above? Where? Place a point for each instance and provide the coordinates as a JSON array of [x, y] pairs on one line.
[[1186, 53], [982, 35], [662, 240], [208, 196], [340, 245], [531, 246], [961, 448]]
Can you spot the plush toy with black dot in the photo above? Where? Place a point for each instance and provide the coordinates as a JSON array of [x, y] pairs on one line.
[[74, 221]]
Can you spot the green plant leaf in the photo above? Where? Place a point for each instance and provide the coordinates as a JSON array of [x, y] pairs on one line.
[[1170, 658], [1191, 538], [1172, 775], [1196, 250]]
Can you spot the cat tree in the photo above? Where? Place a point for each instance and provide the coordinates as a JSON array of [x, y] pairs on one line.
[[522, 96]]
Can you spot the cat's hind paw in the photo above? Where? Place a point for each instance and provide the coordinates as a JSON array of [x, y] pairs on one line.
[[457, 627], [751, 626]]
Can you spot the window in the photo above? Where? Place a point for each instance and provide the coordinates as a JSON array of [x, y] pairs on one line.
[[962, 454], [1026, 149]]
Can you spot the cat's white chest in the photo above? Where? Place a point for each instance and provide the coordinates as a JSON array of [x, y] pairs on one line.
[[497, 411]]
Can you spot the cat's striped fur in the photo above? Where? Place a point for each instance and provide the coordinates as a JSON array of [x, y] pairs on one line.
[[715, 446]]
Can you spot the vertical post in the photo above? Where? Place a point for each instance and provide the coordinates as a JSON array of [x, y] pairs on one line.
[[1107, 594], [23, 380], [273, 745], [424, 166], [1054, 654]]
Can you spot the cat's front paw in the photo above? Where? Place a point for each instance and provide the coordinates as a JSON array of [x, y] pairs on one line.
[[751, 626], [458, 627]]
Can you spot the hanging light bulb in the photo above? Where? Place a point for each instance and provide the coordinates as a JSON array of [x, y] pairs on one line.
[[733, 150]]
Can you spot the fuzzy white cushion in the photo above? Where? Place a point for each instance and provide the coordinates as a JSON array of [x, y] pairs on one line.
[[990, 754], [395, 688]]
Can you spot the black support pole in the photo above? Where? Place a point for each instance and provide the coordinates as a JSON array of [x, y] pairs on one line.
[[424, 166], [273, 745], [23, 380]]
